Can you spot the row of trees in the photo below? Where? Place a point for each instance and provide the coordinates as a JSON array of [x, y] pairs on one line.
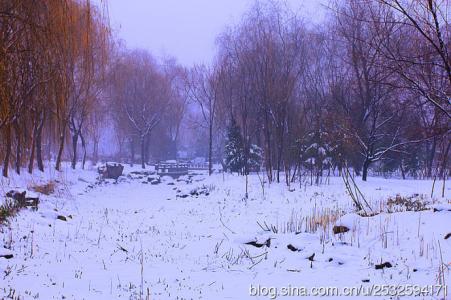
[[369, 87], [52, 66], [67, 83]]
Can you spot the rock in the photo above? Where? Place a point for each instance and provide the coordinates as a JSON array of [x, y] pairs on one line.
[[62, 218], [383, 265], [311, 257], [267, 243], [340, 229], [293, 248], [7, 256], [111, 171], [365, 280], [448, 236], [200, 190]]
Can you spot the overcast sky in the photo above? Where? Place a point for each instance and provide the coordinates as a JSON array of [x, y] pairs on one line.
[[185, 29]]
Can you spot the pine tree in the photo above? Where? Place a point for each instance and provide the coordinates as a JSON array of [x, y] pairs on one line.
[[234, 148], [255, 158]]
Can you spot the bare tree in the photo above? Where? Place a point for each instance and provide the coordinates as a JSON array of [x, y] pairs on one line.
[[421, 25], [141, 93], [204, 90]]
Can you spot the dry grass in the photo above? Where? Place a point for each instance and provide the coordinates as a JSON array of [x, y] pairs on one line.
[[9, 209], [323, 219], [46, 189], [400, 203]]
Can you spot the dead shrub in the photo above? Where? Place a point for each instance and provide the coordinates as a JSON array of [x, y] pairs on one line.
[[399, 203], [8, 209]]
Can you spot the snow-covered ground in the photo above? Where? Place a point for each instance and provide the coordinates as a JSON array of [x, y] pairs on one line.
[[199, 238]]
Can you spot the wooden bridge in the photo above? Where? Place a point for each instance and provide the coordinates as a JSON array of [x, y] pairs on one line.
[[176, 169], [173, 169]]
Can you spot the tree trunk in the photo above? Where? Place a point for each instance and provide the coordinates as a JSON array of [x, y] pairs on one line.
[[39, 146], [287, 170], [83, 145], [147, 148], [247, 184], [403, 173], [173, 149], [431, 158], [60, 149], [366, 165], [143, 151], [8, 150], [18, 147], [132, 152], [293, 177], [95, 154], [445, 162], [268, 152], [280, 152], [32, 148], [210, 148], [74, 153]]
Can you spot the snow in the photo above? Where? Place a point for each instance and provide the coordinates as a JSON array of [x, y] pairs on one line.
[[124, 239], [442, 207], [351, 221]]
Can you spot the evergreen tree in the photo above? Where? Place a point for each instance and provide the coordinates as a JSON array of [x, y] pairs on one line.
[[234, 148], [254, 160]]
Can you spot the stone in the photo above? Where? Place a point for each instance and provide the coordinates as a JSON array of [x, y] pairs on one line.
[[383, 265], [340, 229]]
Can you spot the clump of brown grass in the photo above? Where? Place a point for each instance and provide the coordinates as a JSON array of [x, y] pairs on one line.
[[46, 189], [323, 219]]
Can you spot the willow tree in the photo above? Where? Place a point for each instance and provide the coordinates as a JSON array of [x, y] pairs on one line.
[[141, 94]]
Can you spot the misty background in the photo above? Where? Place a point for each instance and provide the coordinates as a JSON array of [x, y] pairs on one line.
[[186, 31]]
